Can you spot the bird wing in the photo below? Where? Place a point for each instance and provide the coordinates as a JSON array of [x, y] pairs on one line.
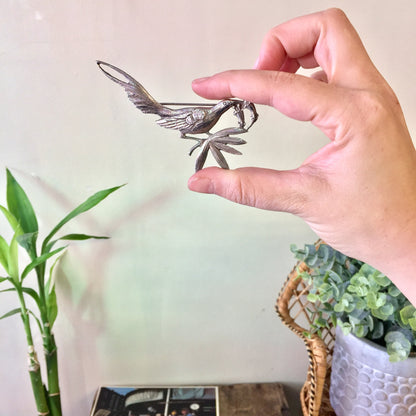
[[177, 122], [184, 119]]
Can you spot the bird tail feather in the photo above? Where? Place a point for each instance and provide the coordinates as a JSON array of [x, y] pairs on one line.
[[137, 94]]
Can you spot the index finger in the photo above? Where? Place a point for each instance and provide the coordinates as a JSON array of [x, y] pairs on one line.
[[326, 39]]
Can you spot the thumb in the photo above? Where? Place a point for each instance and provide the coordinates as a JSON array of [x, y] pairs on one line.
[[261, 188]]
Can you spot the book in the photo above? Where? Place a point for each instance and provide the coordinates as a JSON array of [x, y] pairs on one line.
[[156, 401]]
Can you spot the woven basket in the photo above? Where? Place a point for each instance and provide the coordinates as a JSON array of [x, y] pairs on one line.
[[297, 313]]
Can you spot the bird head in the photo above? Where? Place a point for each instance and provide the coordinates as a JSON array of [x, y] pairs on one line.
[[223, 105]]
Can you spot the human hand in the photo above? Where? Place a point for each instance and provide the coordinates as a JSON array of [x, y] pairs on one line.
[[357, 192]]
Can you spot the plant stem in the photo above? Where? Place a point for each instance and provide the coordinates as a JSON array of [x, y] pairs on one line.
[[51, 357], [50, 348], [34, 367]]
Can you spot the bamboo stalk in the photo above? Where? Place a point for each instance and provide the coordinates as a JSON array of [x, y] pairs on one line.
[[51, 357], [50, 348], [33, 363]]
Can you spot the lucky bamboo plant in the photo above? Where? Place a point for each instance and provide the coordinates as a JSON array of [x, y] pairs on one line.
[[21, 216]]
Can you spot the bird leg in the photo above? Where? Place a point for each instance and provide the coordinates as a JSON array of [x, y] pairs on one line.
[[199, 140]]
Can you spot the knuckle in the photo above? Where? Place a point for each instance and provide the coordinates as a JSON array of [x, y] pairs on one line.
[[241, 190], [237, 192], [335, 15]]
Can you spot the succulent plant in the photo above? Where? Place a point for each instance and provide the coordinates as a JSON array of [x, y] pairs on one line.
[[358, 298]]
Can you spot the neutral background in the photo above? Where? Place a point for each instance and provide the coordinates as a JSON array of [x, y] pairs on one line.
[[184, 291]]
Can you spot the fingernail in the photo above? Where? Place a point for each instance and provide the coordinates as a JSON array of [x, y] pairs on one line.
[[200, 80], [256, 65], [202, 185]]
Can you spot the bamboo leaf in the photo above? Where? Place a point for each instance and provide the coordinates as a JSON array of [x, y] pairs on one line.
[[91, 202], [202, 157], [33, 294], [39, 260], [10, 289], [19, 205], [74, 237], [10, 313], [52, 306], [37, 321], [80, 237], [13, 259], [226, 148], [51, 281], [10, 218], [28, 242], [51, 302], [218, 156], [4, 254], [29, 291]]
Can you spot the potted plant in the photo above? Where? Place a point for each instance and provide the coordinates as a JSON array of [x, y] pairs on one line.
[[21, 216], [374, 360]]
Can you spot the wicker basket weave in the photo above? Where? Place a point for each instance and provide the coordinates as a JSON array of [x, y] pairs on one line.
[[297, 313]]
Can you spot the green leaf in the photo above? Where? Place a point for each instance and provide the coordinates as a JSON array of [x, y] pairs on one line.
[[394, 291], [11, 219], [37, 320], [33, 294], [39, 260], [408, 312], [50, 294], [320, 322], [19, 205], [376, 300], [336, 278], [13, 259], [52, 307], [28, 242], [75, 237], [11, 313], [312, 297], [345, 327], [412, 323], [29, 291], [383, 312], [360, 331], [81, 237], [366, 269], [91, 202], [4, 254], [398, 346], [381, 279], [378, 330], [51, 283]]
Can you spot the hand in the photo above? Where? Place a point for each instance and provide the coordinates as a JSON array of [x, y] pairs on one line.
[[358, 193]]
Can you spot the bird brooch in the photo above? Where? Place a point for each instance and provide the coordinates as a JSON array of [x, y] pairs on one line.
[[191, 119]]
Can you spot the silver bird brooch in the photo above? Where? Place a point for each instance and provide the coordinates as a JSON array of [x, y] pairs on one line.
[[190, 119]]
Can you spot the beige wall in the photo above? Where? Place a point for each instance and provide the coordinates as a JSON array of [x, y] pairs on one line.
[[184, 291]]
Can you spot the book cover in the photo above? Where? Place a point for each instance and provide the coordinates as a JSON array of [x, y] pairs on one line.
[[156, 401]]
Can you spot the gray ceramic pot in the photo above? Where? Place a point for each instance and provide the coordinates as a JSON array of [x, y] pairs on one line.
[[365, 383]]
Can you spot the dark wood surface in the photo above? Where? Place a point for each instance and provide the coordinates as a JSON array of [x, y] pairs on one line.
[[260, 399]]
